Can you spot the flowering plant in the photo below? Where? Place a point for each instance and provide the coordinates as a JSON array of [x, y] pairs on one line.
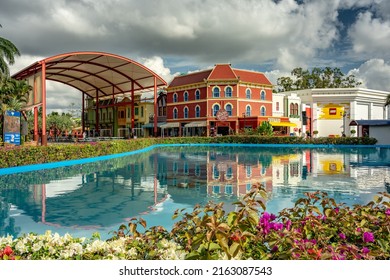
[[315, 228]]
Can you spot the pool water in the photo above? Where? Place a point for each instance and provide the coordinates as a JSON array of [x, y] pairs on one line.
[[100, 196]]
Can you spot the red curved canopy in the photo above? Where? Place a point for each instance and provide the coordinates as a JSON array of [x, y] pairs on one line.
[[95, 73]]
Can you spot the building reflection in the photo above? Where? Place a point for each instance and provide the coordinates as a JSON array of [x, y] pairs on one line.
[[104, 194]]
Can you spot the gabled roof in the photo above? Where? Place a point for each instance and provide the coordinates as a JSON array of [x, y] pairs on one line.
[[221, 72]]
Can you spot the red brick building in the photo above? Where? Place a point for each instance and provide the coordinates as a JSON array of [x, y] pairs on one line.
[[222, 100]]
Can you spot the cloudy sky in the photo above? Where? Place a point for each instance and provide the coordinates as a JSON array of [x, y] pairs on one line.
[[177, 36]]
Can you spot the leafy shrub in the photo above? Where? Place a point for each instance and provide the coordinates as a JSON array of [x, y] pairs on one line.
[[315, 228]]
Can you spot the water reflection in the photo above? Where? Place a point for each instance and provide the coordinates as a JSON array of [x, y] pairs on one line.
[[100, 196]]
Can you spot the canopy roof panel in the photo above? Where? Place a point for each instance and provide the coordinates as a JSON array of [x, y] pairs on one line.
[[95, 73]]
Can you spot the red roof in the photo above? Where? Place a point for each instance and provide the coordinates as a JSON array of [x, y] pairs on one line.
[[221, 72], [193, 78], [252, 77]]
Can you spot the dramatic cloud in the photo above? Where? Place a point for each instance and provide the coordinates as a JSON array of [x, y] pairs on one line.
[[374, 74], [371, 36], [180, 36]]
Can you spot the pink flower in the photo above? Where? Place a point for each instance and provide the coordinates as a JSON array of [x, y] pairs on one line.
[[387, 212], [368, 237], [342, 236], [337, 210], [365, 250], [288, 225]]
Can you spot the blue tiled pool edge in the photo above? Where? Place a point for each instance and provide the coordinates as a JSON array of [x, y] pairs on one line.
[[35, 167]]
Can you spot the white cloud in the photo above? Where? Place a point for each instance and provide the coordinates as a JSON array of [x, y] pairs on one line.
[[374, 74], [370, 36], [156, 64]]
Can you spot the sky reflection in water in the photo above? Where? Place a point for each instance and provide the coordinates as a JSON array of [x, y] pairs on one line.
[[100, 196]]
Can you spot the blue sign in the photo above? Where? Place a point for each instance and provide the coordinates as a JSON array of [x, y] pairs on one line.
[[11, 127]]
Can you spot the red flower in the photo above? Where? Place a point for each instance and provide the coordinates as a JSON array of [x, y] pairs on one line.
[[8, 251]]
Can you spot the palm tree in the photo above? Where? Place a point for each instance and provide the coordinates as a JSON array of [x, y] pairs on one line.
[[387, 102], [8, 51]]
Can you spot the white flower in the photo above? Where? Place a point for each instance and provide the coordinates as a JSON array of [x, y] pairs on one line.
[[37, 246]]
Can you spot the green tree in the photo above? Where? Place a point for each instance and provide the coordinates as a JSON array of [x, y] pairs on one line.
[[8, 51], [318, 78], [265, 129]]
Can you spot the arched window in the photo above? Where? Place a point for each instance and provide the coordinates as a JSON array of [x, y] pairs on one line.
[[175, 114], [185, 96], [291, 109], [185, 111], [228, 92], [248, 111], [262, 95], [277, 106], [263, 111], [229, 109], [215, 109], [197, 112], [175, 97], [248, 93], [215, 92], [296, 109], [197, 94]]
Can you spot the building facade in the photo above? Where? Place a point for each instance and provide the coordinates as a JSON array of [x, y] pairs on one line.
[[329, 112], [219, 101]]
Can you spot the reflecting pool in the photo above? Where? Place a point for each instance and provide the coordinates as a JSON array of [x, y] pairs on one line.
[[100, 196]]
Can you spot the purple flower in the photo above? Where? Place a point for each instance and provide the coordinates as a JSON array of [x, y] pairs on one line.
[[368, 237], [272, 217], [275, 248], [266, 216], [342, 236], [277, 226], [337, 210], [365, 250], [387, 212], [288, 225]]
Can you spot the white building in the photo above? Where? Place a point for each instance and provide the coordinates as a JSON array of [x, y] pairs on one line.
[[330, 110]]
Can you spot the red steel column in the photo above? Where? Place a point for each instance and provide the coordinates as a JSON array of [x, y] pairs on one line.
[[44, 136], [155, 108], [36, 111], [132, 107]]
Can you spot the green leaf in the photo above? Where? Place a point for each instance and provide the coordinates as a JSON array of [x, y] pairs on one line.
[[194, 255], [222, 240], [234, 249], [231, 218], [214, 246]]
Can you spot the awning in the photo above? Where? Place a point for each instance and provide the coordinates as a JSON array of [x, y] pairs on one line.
[[151, 125], [196, 124], [283, 124], [170, 125], [370, 122]]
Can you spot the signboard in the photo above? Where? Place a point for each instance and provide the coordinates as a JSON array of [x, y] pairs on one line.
[[11, 127], [222, 115]]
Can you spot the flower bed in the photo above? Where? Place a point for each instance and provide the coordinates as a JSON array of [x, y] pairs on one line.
[[315, 228]]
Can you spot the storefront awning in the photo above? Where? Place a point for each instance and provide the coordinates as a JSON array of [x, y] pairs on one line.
[[170, 125], [196, 124], [283, 124], [151, 125]]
